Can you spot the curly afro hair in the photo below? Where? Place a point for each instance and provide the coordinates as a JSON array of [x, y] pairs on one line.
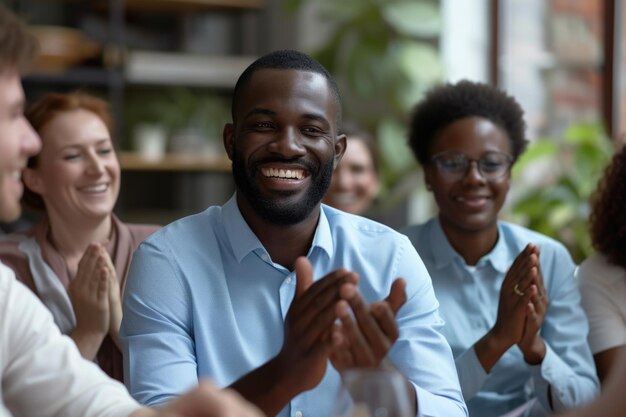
[[607, 222], [445, 104]]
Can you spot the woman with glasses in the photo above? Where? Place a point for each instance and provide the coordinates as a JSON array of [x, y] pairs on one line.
[[507, 294]]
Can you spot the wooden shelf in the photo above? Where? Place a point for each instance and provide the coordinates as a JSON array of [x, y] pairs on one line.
[[76, 76], [186, 5], [132, 161], [161, 68]]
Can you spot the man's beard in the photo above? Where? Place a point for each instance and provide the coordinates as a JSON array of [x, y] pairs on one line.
[[277, 212]]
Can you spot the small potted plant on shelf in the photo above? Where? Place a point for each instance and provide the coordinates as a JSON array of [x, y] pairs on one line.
[[191, 121]]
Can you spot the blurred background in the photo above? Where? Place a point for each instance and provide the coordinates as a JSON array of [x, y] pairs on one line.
[[168, 67]]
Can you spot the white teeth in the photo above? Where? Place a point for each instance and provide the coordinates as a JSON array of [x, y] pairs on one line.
[[282, 173], [95, 188]]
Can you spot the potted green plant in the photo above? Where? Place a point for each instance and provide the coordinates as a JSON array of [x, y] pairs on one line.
[[193, 120], [553, 181]]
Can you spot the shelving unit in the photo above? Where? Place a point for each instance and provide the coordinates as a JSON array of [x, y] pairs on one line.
[[148, 67], [122, 66], [178, 184], [173, 162], [180, 5]]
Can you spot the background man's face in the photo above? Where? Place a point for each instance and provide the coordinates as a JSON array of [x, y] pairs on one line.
[[18, 141]]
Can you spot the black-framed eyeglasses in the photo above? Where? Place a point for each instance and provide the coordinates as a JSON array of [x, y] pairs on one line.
[[455, 165]]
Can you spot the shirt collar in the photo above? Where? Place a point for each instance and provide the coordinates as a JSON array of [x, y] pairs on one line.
[[323, 238], [444, 254], [501, 255], [243, 240]]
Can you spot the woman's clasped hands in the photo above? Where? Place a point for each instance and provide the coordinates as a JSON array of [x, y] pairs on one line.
[[95, 296]]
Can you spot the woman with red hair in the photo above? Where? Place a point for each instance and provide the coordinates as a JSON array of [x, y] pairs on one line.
[[77, 257]]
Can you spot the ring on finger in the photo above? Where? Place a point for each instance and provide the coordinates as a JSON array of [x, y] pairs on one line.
[[517, 291]]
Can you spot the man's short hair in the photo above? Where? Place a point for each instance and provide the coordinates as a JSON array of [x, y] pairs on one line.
[[445, 104], [18, 47], [288, 60]]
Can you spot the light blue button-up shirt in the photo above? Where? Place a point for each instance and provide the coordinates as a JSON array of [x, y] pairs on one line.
[[469, 305], [204, 299]]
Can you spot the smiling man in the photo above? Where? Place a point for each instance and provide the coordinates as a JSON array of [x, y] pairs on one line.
[[273, 293]]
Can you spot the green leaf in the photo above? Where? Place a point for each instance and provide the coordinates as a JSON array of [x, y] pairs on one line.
[[393, 145], [413, 18], [558, 206], [345, 10], [420, 67], [584, 133], [538, 150], [291, 6]]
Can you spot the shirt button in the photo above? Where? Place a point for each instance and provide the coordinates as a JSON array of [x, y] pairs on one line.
[[265, 257], [288, 280], [298, 413]]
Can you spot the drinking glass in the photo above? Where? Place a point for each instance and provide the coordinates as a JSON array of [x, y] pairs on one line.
[[373, 393]]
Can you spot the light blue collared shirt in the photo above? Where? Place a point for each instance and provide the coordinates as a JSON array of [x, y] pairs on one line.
[[204, 299], [469, 305]]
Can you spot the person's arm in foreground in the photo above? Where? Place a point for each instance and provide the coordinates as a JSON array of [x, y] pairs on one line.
[[43, 372], [612, 401], [45, 375], [204, 401]]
